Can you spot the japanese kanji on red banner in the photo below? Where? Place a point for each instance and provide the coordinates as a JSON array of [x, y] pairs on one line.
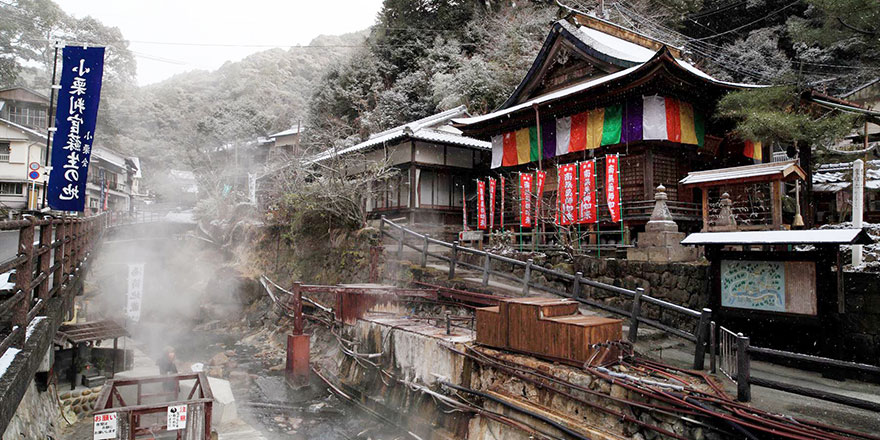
[[491, 203], [539, 190], [566, 193], [587, 202], [502, 202], [481, 204], [612, 186], [525, 197]]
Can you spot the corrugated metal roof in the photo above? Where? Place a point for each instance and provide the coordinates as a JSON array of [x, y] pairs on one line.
[[812, 236], [434, 128], [721, 175]]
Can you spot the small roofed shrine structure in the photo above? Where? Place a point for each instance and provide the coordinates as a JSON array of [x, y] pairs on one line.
[[89, 335], [595, 91], [744, 198], [784, 288], [436, 164]]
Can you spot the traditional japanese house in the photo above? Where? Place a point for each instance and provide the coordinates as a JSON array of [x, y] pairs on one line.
[[832, 192], [596, 89], [436, 163]]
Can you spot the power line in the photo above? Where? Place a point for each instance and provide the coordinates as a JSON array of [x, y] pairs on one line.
[[749, 23]]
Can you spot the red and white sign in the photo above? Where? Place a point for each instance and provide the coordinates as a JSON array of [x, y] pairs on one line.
[[105, 426], [539, 191], [176, 417], [525, 197], [491, 203], [481, 205], [502, 202], [587, 203], [612, 186], [566, 193]]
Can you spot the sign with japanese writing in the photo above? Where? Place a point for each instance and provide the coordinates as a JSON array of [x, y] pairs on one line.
[[612, 186], [176, 417], [81, 74], [566, 193], [105, 426], [135, 291], [587, 203], [540, 177], [502, 202], [491, 203], [481, 205], [525, 197]]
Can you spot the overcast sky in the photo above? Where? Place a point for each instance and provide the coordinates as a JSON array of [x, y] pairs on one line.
[[207, 33]]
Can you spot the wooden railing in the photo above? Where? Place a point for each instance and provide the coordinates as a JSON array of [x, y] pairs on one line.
[[422, 242], [49, 263]]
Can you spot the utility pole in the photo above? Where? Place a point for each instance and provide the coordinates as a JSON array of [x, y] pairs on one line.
[[50, 117]]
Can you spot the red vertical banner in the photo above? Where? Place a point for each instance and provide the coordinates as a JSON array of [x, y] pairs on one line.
[[463, 208], [612, 186], [567, 193], [491, 203], [541, 177], [525, 197], [502, 202], [481, 204], [587, 202]]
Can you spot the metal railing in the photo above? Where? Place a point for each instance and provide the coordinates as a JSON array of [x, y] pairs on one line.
[[50, 261], [577, 282], [735, 358], [120, 218]]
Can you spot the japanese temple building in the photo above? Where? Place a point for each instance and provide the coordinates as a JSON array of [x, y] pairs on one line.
[[597, 89], [436, 165]]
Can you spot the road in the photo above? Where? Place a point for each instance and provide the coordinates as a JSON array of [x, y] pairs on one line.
[[8, 244]]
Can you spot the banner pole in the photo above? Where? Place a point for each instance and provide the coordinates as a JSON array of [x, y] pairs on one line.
[[50, 120], [620, 196], [596, 199]]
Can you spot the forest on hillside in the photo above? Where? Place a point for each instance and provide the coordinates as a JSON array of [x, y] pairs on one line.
[[423, 56]]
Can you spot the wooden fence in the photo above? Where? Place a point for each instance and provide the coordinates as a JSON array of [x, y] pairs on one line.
[[736, 355], [50, 260], [421, 242]]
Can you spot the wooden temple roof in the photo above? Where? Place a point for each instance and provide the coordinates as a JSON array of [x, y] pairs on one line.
[[762, 172]]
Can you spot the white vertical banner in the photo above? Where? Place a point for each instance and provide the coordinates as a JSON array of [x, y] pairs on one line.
[[135, 291], [252, 188]]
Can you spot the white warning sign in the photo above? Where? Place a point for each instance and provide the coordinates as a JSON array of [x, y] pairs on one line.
[[105, 426], [176, 417]]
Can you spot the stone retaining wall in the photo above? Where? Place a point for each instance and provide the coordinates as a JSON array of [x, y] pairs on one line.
[[37, 416], [861, 322]]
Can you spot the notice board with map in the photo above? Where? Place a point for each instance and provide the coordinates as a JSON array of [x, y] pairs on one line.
[[770, 286]]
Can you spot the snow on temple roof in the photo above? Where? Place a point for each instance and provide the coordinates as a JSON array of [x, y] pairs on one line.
[[608, 47], [434, 128], [812, 236], [609, 44], [762, 172]]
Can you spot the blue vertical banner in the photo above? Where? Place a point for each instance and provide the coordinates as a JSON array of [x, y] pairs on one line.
[[81, 74]]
